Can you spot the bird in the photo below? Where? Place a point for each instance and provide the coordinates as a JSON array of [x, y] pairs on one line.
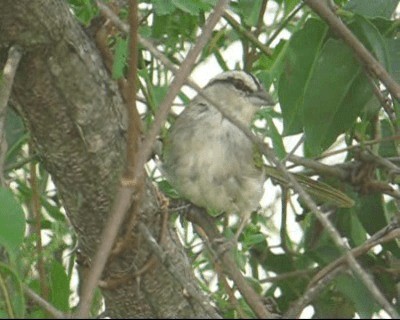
[[208, 159]]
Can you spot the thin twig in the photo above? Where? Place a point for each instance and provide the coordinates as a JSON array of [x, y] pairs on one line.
[[291, 274], [319, 167], [49, 308], [6, 81], [360, 145], [249, 36], [283, 24], [134, 118]]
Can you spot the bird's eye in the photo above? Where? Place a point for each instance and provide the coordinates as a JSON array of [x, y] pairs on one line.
[[240, 85]]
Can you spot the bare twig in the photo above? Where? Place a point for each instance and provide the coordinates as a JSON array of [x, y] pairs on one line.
[[319, 167], [363, 143], [321, 8], [133, 130], [253, 39], [290, 274], [134, 118], [283, 24], [49, 308], [6, 81]]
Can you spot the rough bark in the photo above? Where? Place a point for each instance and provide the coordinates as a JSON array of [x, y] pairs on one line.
[[76, 118]]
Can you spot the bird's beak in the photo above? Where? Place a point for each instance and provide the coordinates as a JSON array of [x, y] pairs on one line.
[[262, 98]]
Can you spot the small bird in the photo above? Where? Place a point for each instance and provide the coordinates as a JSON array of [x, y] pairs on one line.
[[207, 159]]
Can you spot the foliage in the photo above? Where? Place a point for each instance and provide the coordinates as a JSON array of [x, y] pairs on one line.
[[325, 95]]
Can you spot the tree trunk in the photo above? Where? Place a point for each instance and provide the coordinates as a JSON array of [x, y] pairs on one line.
[[77, 120]]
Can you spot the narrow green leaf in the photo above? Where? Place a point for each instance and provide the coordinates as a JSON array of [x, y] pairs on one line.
[[356, 292], [59, 287], [300, 59], [249, 10], [276, 138], [371, 212], [387, 148], [370, 36], [120, 56], [12, 295], [12, 221]]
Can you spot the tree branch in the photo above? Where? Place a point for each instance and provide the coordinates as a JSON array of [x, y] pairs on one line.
[[6, 81], [49, 308]]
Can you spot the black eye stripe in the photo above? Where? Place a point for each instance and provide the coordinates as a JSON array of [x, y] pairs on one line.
[[237, 83]]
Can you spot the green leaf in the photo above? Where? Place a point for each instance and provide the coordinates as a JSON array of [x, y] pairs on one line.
[[53, 210], [375, 8], [163, 7], [158, 93], [59, 284], [387, 148], [193, 7], [304, 46], [371, 212], [393, 46], [15, 135], [349, 225], [11, 292], [289, 5], [120, 58], [253, 239], [335, 95], [356, 292], [12, 221], [249, 10], [370, 36], [276, 138]]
